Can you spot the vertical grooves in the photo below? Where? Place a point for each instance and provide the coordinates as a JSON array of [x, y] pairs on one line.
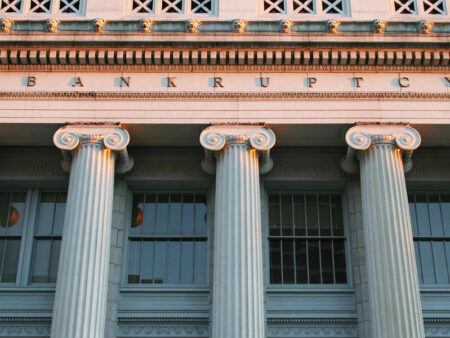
[[80, 300], [393, 282], [238, 284]]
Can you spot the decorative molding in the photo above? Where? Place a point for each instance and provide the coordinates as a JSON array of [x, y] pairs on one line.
[[25, 319], [25, 330], [312, 331], [164, 330], [200, 320], [222, 96], [311, 320], [223, 59], [355, 27]]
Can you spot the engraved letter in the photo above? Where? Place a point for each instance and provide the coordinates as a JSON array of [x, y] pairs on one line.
[[311, 81], [77, 82], [31, 81], [358, 81], [403, 82], [124, 81], [265, 82], [218, 82], [170, 82]]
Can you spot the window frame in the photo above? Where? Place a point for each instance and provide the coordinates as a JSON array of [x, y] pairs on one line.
[[186, 11], [318, 11], [344, 287], [125, 286], [420, 10], [23, 278], [55, 6]]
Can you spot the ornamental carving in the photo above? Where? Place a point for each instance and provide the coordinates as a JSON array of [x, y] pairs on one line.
[[425, 26], [362, 137], [52, 25], [286, 25], [6, 25], [333, 26], [379, 26], [146, 25], [239, 25], [192, 25], [111, 137], [99, 24]]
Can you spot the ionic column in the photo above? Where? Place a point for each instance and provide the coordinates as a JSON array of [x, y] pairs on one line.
[[81, 288], [384, 152], [238, 285]]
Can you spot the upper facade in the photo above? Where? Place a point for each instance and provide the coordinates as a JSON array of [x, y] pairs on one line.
[[297, 10]]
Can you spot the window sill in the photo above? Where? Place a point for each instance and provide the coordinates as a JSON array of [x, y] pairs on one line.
[[165, 288], [310, 289]]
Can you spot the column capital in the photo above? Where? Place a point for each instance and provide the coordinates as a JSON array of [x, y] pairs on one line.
[[217, 137], [362, 137], [110, 136]]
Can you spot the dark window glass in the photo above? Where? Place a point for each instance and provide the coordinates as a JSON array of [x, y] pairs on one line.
[[306, 239], [168, 239]]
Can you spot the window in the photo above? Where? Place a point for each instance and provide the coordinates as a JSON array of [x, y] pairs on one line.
[[167, 239], [173, 6], [43, 6], [430, 220], [306, 239], [305, 7], [11, 6], [425, 7], [28, 240]]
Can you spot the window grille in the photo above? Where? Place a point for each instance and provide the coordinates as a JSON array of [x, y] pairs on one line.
[[47, 237], [70, 6], [41, 6], [274, 6], [333, 7], [430, 220], [172, 6], [143, 6], [167, 239], [12, 214], [405, 6], [304, 6], [202, 6], [306, 239], [434, 7], [11, 6]]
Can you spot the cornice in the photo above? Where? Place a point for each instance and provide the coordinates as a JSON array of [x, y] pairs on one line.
[[14, 58], [194, 96], [193, 320], [237, 26]]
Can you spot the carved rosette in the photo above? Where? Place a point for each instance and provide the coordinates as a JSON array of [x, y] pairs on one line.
[[216, 138], [109, 136], [362, 137]]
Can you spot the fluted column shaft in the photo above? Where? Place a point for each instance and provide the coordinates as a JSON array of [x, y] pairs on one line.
[[81, 288], [392, 274], [238, 285]]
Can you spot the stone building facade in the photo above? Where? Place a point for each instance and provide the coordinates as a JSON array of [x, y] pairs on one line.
[[210, 168]]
